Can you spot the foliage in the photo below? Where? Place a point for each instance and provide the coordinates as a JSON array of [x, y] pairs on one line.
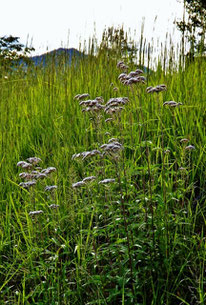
[[117, 43], [194, 28], [138, 240], [11, 50]]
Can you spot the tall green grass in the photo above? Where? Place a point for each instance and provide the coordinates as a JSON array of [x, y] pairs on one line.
[[140, 240]]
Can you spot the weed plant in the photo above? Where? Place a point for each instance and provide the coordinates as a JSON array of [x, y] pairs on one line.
[[122, 218]]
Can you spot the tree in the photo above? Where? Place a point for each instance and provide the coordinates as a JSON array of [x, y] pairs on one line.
[[11, 49], [194, 28], [117, 44]]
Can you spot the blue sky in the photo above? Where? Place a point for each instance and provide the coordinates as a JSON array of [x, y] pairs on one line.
[[51, 24]]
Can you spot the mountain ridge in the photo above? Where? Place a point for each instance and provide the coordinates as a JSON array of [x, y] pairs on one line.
[[54, 56]]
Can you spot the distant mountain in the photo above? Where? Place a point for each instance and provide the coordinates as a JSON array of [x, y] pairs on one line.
[[63, 55]]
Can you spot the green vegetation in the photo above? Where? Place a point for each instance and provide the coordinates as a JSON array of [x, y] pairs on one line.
[[12, 51], [193, 28], [139, 239]]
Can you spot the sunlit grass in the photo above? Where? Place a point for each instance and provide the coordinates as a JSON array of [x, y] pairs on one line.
[[137, 240]]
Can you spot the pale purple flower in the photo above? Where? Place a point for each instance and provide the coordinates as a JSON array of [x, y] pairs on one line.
[[50, 188], [107, 181], [184, 140], [28, 184], [190, 147], [34, 213], [53, 206], [78, 184], [49, 170], [88, 179], [34, 160], [171, 104], [24, 164]]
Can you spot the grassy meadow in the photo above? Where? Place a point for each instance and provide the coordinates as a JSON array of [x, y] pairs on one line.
[[134, 231]]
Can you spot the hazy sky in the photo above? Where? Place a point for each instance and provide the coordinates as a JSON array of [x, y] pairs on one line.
[[54, 23]]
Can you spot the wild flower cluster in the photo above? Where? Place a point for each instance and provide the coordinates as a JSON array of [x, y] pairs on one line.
[[113, 147], [103, 176], [188, 147], [114, 105], [132, 77], [121, 65], [92, 105], [33, 174]]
